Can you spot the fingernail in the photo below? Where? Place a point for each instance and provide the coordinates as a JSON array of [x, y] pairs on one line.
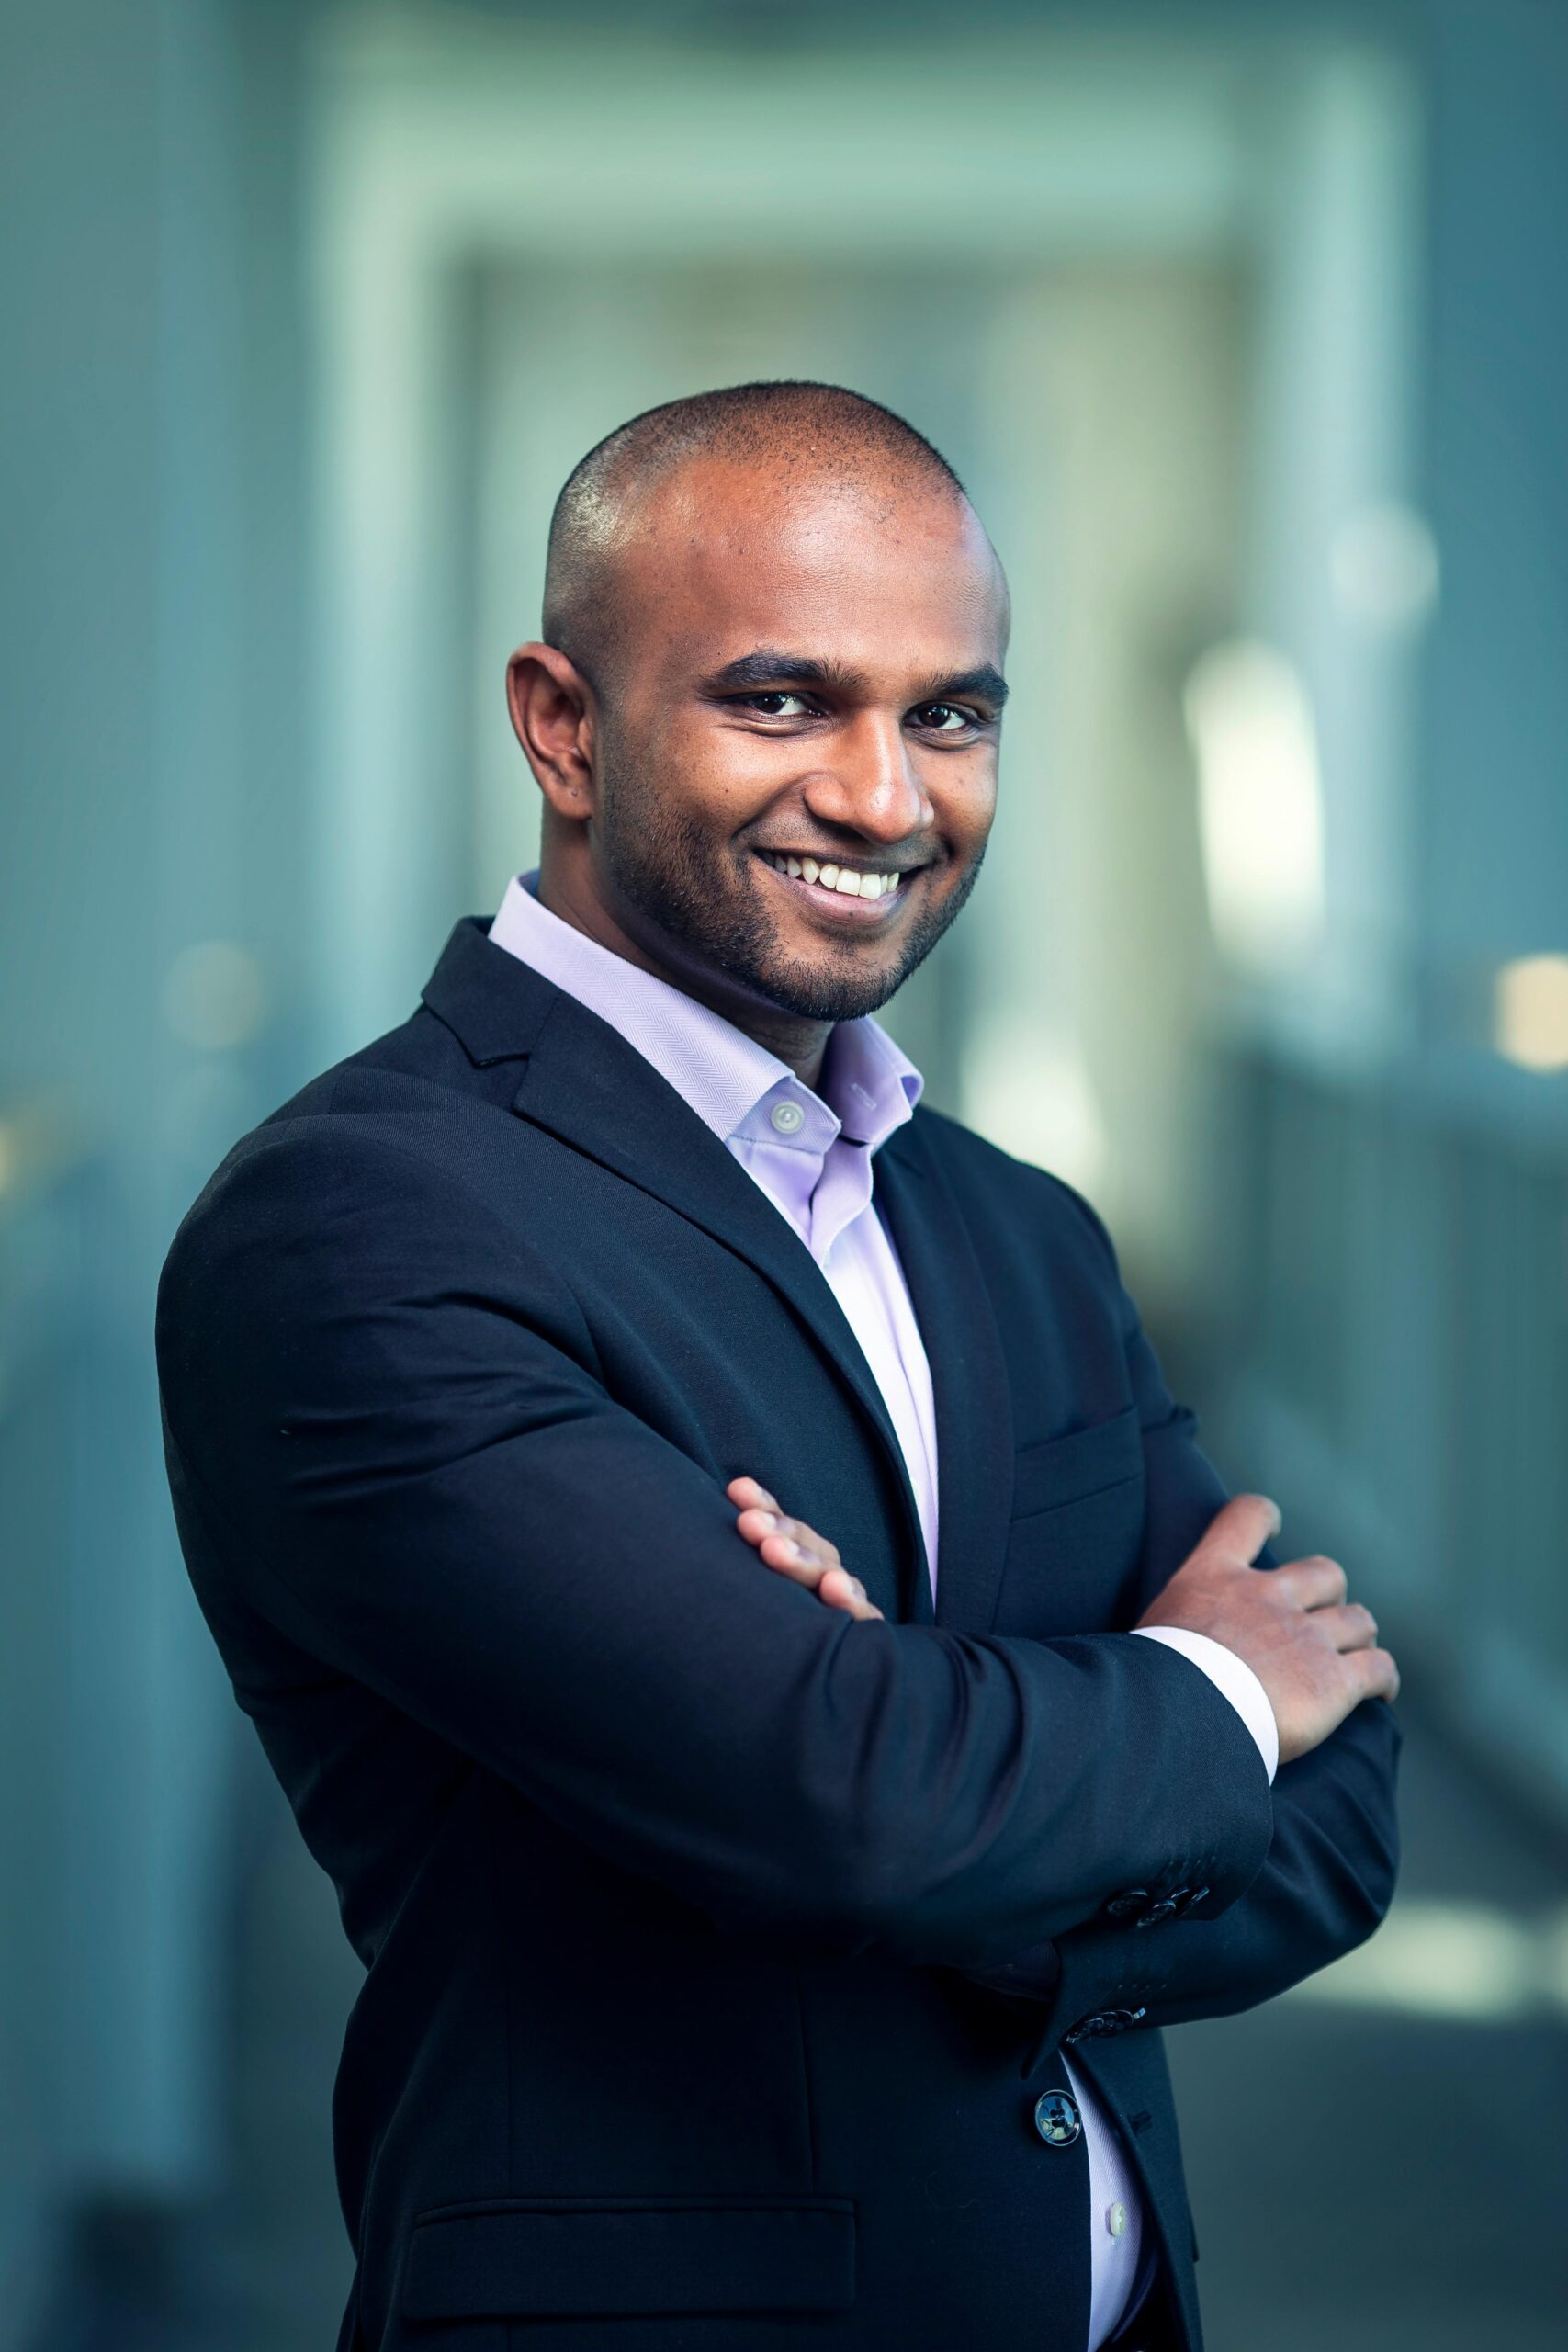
[[768, 1521], [792, 1547], [857, 1588]]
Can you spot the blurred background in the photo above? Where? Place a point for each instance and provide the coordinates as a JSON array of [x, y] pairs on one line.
[[1248, 329]]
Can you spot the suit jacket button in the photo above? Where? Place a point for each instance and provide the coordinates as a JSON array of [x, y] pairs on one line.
[[1155, 1914], [1187, 1898], [1103, 2021], [1057, 2118], [1122, 1906]]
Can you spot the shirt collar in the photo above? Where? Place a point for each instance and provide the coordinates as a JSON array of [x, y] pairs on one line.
[[870, 1087]]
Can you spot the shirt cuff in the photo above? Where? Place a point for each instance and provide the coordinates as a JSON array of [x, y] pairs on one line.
[[1233, 1678]]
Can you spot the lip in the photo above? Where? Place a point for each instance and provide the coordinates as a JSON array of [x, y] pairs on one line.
[[836, 906]]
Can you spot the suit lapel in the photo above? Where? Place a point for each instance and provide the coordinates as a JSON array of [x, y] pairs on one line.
[[969, 1382], [584, 1083]]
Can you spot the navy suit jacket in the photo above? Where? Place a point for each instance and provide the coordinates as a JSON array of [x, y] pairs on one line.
[[690, 1908]]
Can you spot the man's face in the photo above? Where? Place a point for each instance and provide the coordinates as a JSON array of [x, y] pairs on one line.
[[805, 690]]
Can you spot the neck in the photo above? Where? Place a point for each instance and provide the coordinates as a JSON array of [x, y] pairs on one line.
[[802, 1044]]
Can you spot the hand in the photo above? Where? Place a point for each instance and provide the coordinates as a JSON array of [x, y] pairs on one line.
[[1313, 1651], [796, 1551]]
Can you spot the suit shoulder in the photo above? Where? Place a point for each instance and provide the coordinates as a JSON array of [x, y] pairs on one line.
[[990, 1180], [376, 1144], [419, 1062]]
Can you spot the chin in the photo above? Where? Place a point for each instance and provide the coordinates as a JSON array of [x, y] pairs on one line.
[[827, 992]]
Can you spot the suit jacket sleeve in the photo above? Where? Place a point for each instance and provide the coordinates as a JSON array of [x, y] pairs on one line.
[[387, 1443], [1329, 1873]]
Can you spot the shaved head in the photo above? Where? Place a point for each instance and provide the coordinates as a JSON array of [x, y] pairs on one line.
[[798, 433]]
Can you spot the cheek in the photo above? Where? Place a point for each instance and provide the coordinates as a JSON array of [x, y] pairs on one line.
[[964, 803], [686, 748]]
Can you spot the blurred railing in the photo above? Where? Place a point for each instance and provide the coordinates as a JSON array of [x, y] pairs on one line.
[[1393, 1296]]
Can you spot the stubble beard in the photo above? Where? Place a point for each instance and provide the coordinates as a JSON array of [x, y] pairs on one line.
[[710, 898]]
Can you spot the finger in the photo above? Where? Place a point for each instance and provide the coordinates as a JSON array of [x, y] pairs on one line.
[[749, 1493], [782, 1552], [757, 1525], [809, 1541], [1315, 1581], [1240, 1531], [754, 1526], [1373, 1674], [842, 1591], [1350, 1627]]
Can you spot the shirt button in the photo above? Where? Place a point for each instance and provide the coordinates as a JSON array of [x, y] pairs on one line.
[[787, 1117], [1056, 2118], [1116, 2218]]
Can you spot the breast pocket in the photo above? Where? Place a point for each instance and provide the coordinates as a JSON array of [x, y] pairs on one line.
[[1078, 1525]]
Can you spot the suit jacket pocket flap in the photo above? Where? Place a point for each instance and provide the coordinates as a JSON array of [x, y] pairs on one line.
[[1065, 1469], [576, 2256]]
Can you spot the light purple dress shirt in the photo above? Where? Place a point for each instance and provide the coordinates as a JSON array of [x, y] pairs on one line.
[[811, 1154]]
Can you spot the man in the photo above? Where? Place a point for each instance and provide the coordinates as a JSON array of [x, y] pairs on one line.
[[761, 1949]]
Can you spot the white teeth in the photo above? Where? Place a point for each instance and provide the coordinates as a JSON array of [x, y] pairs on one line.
[[849, 881]]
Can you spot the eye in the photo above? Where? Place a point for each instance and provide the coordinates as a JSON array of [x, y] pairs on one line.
[[946, 717], [779, 702]]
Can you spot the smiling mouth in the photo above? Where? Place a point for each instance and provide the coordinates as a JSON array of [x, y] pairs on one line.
[[827, 880]]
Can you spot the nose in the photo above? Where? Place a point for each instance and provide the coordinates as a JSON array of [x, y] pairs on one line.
[[871, 787]]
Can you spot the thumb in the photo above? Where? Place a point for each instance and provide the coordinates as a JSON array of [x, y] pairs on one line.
[[1239, 1532]]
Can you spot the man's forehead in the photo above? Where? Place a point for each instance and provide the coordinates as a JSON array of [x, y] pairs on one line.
[[722, 512], [730, 559], [801, 582]]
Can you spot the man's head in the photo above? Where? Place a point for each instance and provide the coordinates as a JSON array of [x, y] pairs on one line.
[[773, 632]]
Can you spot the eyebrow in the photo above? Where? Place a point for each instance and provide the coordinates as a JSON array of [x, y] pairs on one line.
[[767, 668]]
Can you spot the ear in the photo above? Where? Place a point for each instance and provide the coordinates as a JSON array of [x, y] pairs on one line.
[[552, 710]]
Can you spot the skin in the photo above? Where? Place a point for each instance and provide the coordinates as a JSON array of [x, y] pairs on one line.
[[811, 662]]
